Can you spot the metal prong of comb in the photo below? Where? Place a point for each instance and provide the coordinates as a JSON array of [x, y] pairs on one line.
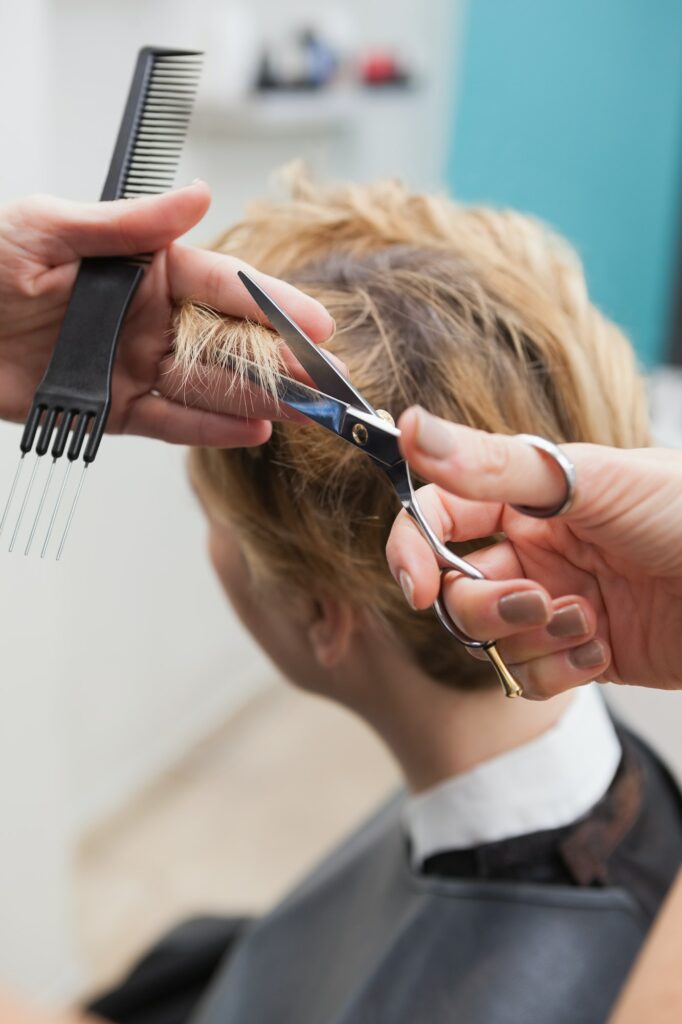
[[27, 438], [55, 510], [41, 448], [24, 503], [72, 511], [41, 503], [12, 491]]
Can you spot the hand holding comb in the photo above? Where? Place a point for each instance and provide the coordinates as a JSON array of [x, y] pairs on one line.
[[71, 404]]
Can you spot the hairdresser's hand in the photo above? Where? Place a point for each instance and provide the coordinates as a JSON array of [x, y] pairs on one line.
[[41, 242], [594, 594], [17, 1011]]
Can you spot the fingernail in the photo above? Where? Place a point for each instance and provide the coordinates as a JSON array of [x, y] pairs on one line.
[[568, 621], [433, 436], [197, 181], [407, 585], [526, 609], [589, 655]]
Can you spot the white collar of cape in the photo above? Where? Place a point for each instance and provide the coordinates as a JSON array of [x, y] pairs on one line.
[[549, 782]]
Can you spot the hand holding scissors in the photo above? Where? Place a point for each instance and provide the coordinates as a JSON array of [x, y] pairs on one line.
[[615, 556]]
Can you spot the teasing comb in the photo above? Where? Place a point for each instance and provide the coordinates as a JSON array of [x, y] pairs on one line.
[[71, 404]]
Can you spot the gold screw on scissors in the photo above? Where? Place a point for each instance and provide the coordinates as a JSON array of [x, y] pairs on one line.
[[340, 408]]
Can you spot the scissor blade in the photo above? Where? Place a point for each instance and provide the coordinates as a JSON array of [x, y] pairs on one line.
[[375, 437], [329, 412], [325, 410], [312, 358]]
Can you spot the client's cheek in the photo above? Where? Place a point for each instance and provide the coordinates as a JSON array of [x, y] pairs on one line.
[[270, 615], [237, 581], [216, 554]]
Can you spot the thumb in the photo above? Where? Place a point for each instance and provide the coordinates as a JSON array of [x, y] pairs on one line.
[[501, 468], [64, 230]]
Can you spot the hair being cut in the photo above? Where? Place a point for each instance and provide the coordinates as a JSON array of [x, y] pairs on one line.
[[480, 316]]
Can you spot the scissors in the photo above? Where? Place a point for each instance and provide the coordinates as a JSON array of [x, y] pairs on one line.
[[340, 408]]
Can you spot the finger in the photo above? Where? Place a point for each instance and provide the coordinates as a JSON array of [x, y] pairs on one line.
[[410, 557], [555, 673], [119, 228], [217, 390], [16, 1011], [573, 622], [412, 562], [416, 568], [213, 389], [211, 278], [157, 417], [478, 465], [498, 561], [490, 610]]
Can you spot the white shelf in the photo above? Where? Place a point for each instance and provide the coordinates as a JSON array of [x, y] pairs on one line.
[[330, 111]]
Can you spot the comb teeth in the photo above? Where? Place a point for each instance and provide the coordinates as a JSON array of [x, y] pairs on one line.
[[162, 123]]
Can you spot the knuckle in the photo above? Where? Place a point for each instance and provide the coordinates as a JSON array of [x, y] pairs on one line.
[[404, 535], [460, 611], [215, 278], [36, 202], [436, 510], [45, 212], [427, 496], [531, 678], [126, 236], [494, 455], [20, 283], [427, 491]]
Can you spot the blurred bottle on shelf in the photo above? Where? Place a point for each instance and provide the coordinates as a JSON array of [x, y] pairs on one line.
[[304, 60]]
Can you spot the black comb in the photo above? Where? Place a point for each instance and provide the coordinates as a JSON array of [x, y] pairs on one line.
[[74, 396]]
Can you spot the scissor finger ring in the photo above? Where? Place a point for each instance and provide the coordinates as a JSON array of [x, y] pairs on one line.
[[567, 468]]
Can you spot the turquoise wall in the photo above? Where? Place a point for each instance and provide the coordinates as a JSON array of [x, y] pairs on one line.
[[572, 109]]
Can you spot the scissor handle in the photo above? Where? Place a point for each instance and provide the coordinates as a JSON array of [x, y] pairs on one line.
[[510, 685], [452, 561]]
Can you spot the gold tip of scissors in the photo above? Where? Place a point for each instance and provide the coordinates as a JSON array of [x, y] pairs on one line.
[[509, 684]]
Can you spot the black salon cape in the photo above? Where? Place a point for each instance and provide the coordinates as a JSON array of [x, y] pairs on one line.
[[365, 940]]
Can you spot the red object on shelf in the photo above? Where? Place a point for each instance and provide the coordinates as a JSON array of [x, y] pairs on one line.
[[379, 66]]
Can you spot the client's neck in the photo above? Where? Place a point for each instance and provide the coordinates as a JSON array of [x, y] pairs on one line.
[[435, 731]]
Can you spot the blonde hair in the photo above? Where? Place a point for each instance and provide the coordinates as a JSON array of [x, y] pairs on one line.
[[481, 316]]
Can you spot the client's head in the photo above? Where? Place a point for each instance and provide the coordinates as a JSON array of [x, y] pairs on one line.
[[480, 316]]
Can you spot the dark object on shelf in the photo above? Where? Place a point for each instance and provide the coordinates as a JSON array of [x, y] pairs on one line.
[[304, 63]]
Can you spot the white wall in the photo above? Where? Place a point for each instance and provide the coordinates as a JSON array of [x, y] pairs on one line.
[[36, 949]]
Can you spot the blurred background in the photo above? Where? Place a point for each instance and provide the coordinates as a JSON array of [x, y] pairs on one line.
[[151, 765]]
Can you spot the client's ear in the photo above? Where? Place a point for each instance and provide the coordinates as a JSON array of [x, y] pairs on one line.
[[330, 631]]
